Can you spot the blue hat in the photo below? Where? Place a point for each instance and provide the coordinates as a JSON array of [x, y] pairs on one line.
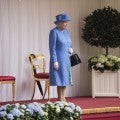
[[62, 18]]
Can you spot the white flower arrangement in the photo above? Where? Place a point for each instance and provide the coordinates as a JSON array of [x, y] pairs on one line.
[[36, 111], [22, 112], [102, 62]]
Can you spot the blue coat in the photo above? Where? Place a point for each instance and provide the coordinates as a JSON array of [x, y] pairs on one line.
[[59, 44]]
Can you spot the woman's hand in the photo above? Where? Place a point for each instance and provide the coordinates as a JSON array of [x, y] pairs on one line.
[[56, 65], [70, 50]]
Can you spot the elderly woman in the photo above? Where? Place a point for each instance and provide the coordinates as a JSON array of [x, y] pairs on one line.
[[60, 50]]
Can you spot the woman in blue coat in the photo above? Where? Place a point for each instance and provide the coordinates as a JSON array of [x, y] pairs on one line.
[[60, 50]]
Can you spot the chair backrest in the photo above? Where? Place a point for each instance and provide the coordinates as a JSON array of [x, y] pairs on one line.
[[37, 62]]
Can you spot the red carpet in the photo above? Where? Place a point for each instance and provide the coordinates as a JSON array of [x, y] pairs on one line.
[[103, 116], [88, 103]]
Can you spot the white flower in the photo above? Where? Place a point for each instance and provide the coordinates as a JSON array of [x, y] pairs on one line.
[[65, 103], [57, 109], [49, 103], [68, 109], [23, 106], [22, 110], [36, 109], [17, 105], [3, 108], [71, 118], [36, 104], [72, 105], [99, 65], [94, 59], [3, 113], [46, 114], [30, 106], [42, 105], [59, 103], [29, 110], [102, 60], [41, 112], [16, 112], [112, 57], [118, 59], [77, 114], [109, 63], [10, 116], [78, 109]]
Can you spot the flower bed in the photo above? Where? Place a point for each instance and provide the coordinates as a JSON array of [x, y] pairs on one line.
[[37, 111], [102, 62]]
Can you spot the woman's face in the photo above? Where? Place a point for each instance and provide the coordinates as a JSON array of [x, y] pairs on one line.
[[62, 25]]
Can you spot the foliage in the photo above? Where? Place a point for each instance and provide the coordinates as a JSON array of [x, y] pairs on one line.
[[62, 111], [102, 62], [22, 112], [102, 28], [36, 111]]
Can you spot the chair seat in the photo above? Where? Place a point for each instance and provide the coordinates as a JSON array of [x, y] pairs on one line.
[[7, 78], [42, 75]]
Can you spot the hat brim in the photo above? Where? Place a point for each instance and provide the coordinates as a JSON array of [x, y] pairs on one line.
[[56, 22]]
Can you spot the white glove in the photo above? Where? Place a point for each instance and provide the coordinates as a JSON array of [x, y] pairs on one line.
[[56, 65], [70, 50]]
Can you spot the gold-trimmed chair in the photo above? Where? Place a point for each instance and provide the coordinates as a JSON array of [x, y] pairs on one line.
[[9, 80], [38, 67]]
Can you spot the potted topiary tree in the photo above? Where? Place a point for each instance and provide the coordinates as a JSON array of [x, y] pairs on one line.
[[102, 29]]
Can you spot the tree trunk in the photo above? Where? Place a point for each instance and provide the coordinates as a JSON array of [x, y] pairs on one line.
[[106, 50]]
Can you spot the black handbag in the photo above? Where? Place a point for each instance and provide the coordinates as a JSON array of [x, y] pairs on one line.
[[74, 59]]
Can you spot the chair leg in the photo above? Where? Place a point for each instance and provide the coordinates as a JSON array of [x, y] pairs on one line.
[[33, 90], [46, 87], [13, 91], [48, 90]]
